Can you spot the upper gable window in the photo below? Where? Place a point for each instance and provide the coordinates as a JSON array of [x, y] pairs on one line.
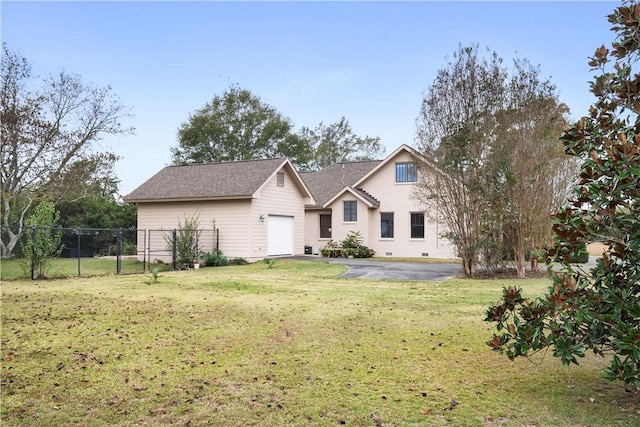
[[406, 172], [280, 179]]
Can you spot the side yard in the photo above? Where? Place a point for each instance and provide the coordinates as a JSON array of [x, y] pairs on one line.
[[287, 343]]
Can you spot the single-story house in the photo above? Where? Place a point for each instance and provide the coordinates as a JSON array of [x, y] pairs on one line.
[[267, 208], [257, 205]]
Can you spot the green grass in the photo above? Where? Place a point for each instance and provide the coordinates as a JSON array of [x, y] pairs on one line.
[[288, 345], [68, 267]]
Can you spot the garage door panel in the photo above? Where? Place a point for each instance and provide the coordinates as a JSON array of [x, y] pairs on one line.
[[280, 235]]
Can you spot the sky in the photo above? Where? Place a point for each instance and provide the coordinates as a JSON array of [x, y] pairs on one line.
[[370, 62]]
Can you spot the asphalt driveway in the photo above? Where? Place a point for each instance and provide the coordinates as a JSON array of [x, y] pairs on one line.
[[364, 268]]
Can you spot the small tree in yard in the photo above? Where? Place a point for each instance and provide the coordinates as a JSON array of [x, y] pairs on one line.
[[186, 243], [597, 310], [43, 241]]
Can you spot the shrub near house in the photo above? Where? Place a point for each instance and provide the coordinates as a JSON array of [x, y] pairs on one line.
[[350, 247]]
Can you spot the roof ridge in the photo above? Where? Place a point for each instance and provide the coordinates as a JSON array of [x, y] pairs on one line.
[[229, 162]]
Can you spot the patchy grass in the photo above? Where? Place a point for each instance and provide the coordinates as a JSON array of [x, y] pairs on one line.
[[288, 345], [13, 269]]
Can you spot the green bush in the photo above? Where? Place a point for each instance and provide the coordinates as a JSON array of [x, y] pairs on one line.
[[215, 259], [350, 247], [43, 241], [238, 261], [186, 241]]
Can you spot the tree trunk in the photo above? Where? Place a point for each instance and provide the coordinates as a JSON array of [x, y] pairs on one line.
[[469, 264], [520, 268], [534, 263]]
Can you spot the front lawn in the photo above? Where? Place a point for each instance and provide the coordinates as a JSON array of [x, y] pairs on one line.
[[13, 269], [287, 345]]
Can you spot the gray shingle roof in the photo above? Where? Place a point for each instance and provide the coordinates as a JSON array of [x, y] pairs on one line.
[[206, 181], [326, 183]]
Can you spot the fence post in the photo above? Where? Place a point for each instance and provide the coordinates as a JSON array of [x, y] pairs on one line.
[[148, 250], [33, 253], [79, 232], [118, 251], [174, 254], [144, 249]]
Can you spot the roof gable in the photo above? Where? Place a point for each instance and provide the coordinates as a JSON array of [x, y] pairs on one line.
[[206, 181], [298, 181], [331, 181], [359, 193], [389, 158]]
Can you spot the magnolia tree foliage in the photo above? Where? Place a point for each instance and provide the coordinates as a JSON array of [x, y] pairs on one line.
[[597, 310]]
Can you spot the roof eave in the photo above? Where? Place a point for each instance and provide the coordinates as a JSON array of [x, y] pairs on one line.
[[355, 193], [188, 199]]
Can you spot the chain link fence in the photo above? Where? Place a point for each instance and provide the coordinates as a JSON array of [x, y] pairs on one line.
[[70, 252]]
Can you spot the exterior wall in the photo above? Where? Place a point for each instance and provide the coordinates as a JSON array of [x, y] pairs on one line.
[[232, 219], [397, 198], [242, 231], [275, 200], [394, 197], [339, 228], [312, 228]]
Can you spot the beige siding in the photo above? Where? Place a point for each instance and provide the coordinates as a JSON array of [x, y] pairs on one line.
[[312, 227], [275, 200], [232, 219], [242, 231], [393, 197], [340, 228], [397, 198]]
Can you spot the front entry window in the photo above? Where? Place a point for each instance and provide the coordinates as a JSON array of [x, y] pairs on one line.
[[325, 226]]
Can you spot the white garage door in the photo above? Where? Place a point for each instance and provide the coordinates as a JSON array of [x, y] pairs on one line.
[[280, 235]]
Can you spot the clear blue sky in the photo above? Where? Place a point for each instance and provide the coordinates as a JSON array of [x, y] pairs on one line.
[[313, 61]]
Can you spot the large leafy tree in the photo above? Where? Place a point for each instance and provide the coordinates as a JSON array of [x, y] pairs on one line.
[[49, 140], [493, 168], [597, 309], [237, 125], [530, 176], [456, 118], [97, 211], [335, 143]]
